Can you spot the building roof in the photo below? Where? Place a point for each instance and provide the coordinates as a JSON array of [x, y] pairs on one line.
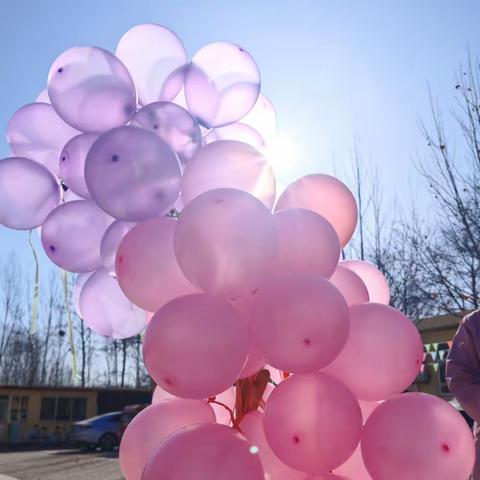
[[73, 388], [439, 322]]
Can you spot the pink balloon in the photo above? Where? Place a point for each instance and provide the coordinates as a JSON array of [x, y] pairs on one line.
[[159, 395], [28, 193], [382, 355], [77, 289], [195, 346], [228, 398], [72, 163], [43, 97], [230, 164], [252, 427], [307, 243], [209, 451], [301, 322], [239, 132], [152, 425], [91, 89], [107, 311], [154, 55], [110, 242], [222, 84], [173, 124], [146, 267], [312, 422], [416, 435], [255, 362], [72, 233], [326, 196], [374, 280], [263, 118], [350, 285], [354, 467], [142, 170], [35, 131], [225, 241]]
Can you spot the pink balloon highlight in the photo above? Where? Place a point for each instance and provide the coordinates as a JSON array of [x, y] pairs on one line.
[[211, 451], [326, 196], [225, 241], [374, 280], [307, 243], [217, 342], [151, 426], [312, 422], [146, 266], [301, 322], [229, 164], [28, 193], [416, 435], [350, 285], [382, 355]]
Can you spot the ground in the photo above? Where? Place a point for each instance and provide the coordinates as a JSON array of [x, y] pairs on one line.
[[59, 465]]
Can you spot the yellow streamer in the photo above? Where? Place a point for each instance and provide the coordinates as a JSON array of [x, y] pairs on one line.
[[70, 326], [35, 286]]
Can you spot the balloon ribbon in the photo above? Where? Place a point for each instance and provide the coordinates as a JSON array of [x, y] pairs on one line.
[[35, 286], [70, 325]]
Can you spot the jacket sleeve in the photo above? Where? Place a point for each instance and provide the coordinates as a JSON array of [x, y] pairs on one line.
[[463, 365]]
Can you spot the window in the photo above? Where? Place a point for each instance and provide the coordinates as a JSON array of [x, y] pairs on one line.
[[79, 408], [3, 408], [47, 410], [64, 408]]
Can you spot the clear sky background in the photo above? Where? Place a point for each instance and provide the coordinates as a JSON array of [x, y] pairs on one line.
[[337, 71]]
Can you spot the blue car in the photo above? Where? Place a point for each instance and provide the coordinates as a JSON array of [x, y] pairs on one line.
[[103, 431]]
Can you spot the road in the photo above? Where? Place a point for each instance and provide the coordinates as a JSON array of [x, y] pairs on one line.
[[59, 465]]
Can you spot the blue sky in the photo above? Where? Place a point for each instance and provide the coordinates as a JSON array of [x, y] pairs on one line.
[[336, 70]]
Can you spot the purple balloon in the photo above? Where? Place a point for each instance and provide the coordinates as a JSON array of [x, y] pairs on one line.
[[173, 124], [91, 89], [237, 131], [28, 193], [155, 57], [72, 233], [77, 289], [110, 242], [107, 311], [36, 131], [263, 118], [132, 174], [222, 84], [229, 164], [43, 97], [72, 163]]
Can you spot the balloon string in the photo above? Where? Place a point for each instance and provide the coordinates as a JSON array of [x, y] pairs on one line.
[[70, 325], [35, 286], [230, 411]]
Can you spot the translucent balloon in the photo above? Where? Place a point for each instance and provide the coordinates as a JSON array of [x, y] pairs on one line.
[[252, 427], [143, 174], [228, 398], [301, 322], [154, 55], [195, 346], [110, 242], [312, 422], [230, 164], [255, 362], [263, 118], [152, 425], [326, 196], [307, 243], [225, 241], [28, 193], [146, 267], [77, 289], [350, 285], [374, 280], [107, 311], [222, 84], [173, 124], [211, 451], [35, 131], [239, 132], [69, 196], [416, 435], [43, 97], [72, 233], [72, 163], [382, 355], [91, 89], [159, 395]]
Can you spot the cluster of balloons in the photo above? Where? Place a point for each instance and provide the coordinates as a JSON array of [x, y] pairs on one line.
[[149, 177]]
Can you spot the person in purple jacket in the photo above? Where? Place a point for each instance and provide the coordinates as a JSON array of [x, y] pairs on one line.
[[463, 373]]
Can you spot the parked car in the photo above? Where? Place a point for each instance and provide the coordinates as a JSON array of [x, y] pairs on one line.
[[103, 431], [128, 414]]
